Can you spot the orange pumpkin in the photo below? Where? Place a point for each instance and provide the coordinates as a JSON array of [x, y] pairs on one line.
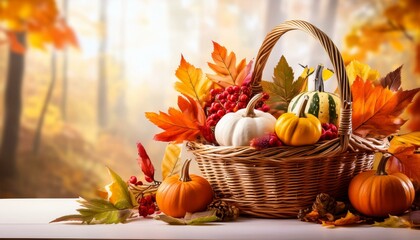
[[178, 195], [378, 194]]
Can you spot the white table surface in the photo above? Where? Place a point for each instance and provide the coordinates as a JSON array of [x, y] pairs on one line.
[[29, 218]]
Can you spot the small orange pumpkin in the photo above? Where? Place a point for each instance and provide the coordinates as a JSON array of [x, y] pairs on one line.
[[178, 195], [378, 194]]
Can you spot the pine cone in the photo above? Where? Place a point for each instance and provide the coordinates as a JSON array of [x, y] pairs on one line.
[[224, 211], [324, 204]]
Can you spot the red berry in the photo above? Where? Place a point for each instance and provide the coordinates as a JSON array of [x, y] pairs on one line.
[[236, 88], [265, 108], [221, 113], [139, 183], [229, 90], [265, 97], [243, 98], [211, 123], [132, 180]]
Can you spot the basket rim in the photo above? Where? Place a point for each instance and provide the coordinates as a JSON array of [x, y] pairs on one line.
[[276, 154]]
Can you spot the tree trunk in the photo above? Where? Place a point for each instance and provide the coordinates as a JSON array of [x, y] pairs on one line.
[[120, 107], [38, 131], [273, 15], [12, 110], [102, 81], [64, 71]]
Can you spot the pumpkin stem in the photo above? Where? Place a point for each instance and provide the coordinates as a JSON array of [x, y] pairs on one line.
[[249, 111], [303, 107], [382, 164], [319, 81], [185, 171]]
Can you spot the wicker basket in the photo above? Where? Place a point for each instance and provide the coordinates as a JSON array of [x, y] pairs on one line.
[[277, 182]]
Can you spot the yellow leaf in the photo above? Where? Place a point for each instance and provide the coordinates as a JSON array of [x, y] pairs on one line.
[[393, 222], [171, 160], [327, 73], [356, 68], [192, 82], [412, 138], [118, 193], [307, 71]]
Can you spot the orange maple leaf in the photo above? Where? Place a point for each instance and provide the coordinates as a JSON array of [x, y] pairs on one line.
[[376, 110], [227, 72], [179, 125], [413, 113], [405, 160], [349, 219]]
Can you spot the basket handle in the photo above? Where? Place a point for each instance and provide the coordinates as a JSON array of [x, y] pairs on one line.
[[336, 60]]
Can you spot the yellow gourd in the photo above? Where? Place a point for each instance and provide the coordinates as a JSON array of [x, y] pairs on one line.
[[298, 130]]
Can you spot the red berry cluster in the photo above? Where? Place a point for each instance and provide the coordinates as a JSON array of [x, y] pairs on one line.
[[329, 131], [230, 99], [133, 180], [266, 141], [147, 205]]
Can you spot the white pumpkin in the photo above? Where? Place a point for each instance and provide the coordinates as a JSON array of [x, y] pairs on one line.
[[240, 127]]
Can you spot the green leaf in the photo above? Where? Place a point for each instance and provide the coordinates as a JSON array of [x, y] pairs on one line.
[[97, 211], [393, 222], [190, 218], [118, 193], [283, 88]]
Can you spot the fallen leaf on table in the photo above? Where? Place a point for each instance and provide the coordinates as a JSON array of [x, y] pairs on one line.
[[190, 218], [97, 211], [393, 222], [349, 219]]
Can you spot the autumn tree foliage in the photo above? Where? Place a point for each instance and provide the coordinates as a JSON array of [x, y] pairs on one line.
[[396, 25], [25, 23]]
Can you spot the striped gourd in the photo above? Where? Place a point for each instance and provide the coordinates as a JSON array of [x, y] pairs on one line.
[[325, 106]]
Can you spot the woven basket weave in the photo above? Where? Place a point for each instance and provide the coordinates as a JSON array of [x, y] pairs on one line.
[[277, 182]]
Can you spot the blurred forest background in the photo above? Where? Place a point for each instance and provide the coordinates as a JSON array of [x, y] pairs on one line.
[[77, 76]]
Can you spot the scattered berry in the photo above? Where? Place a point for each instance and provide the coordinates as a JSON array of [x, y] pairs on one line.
[[147, 205], [266, 141]]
